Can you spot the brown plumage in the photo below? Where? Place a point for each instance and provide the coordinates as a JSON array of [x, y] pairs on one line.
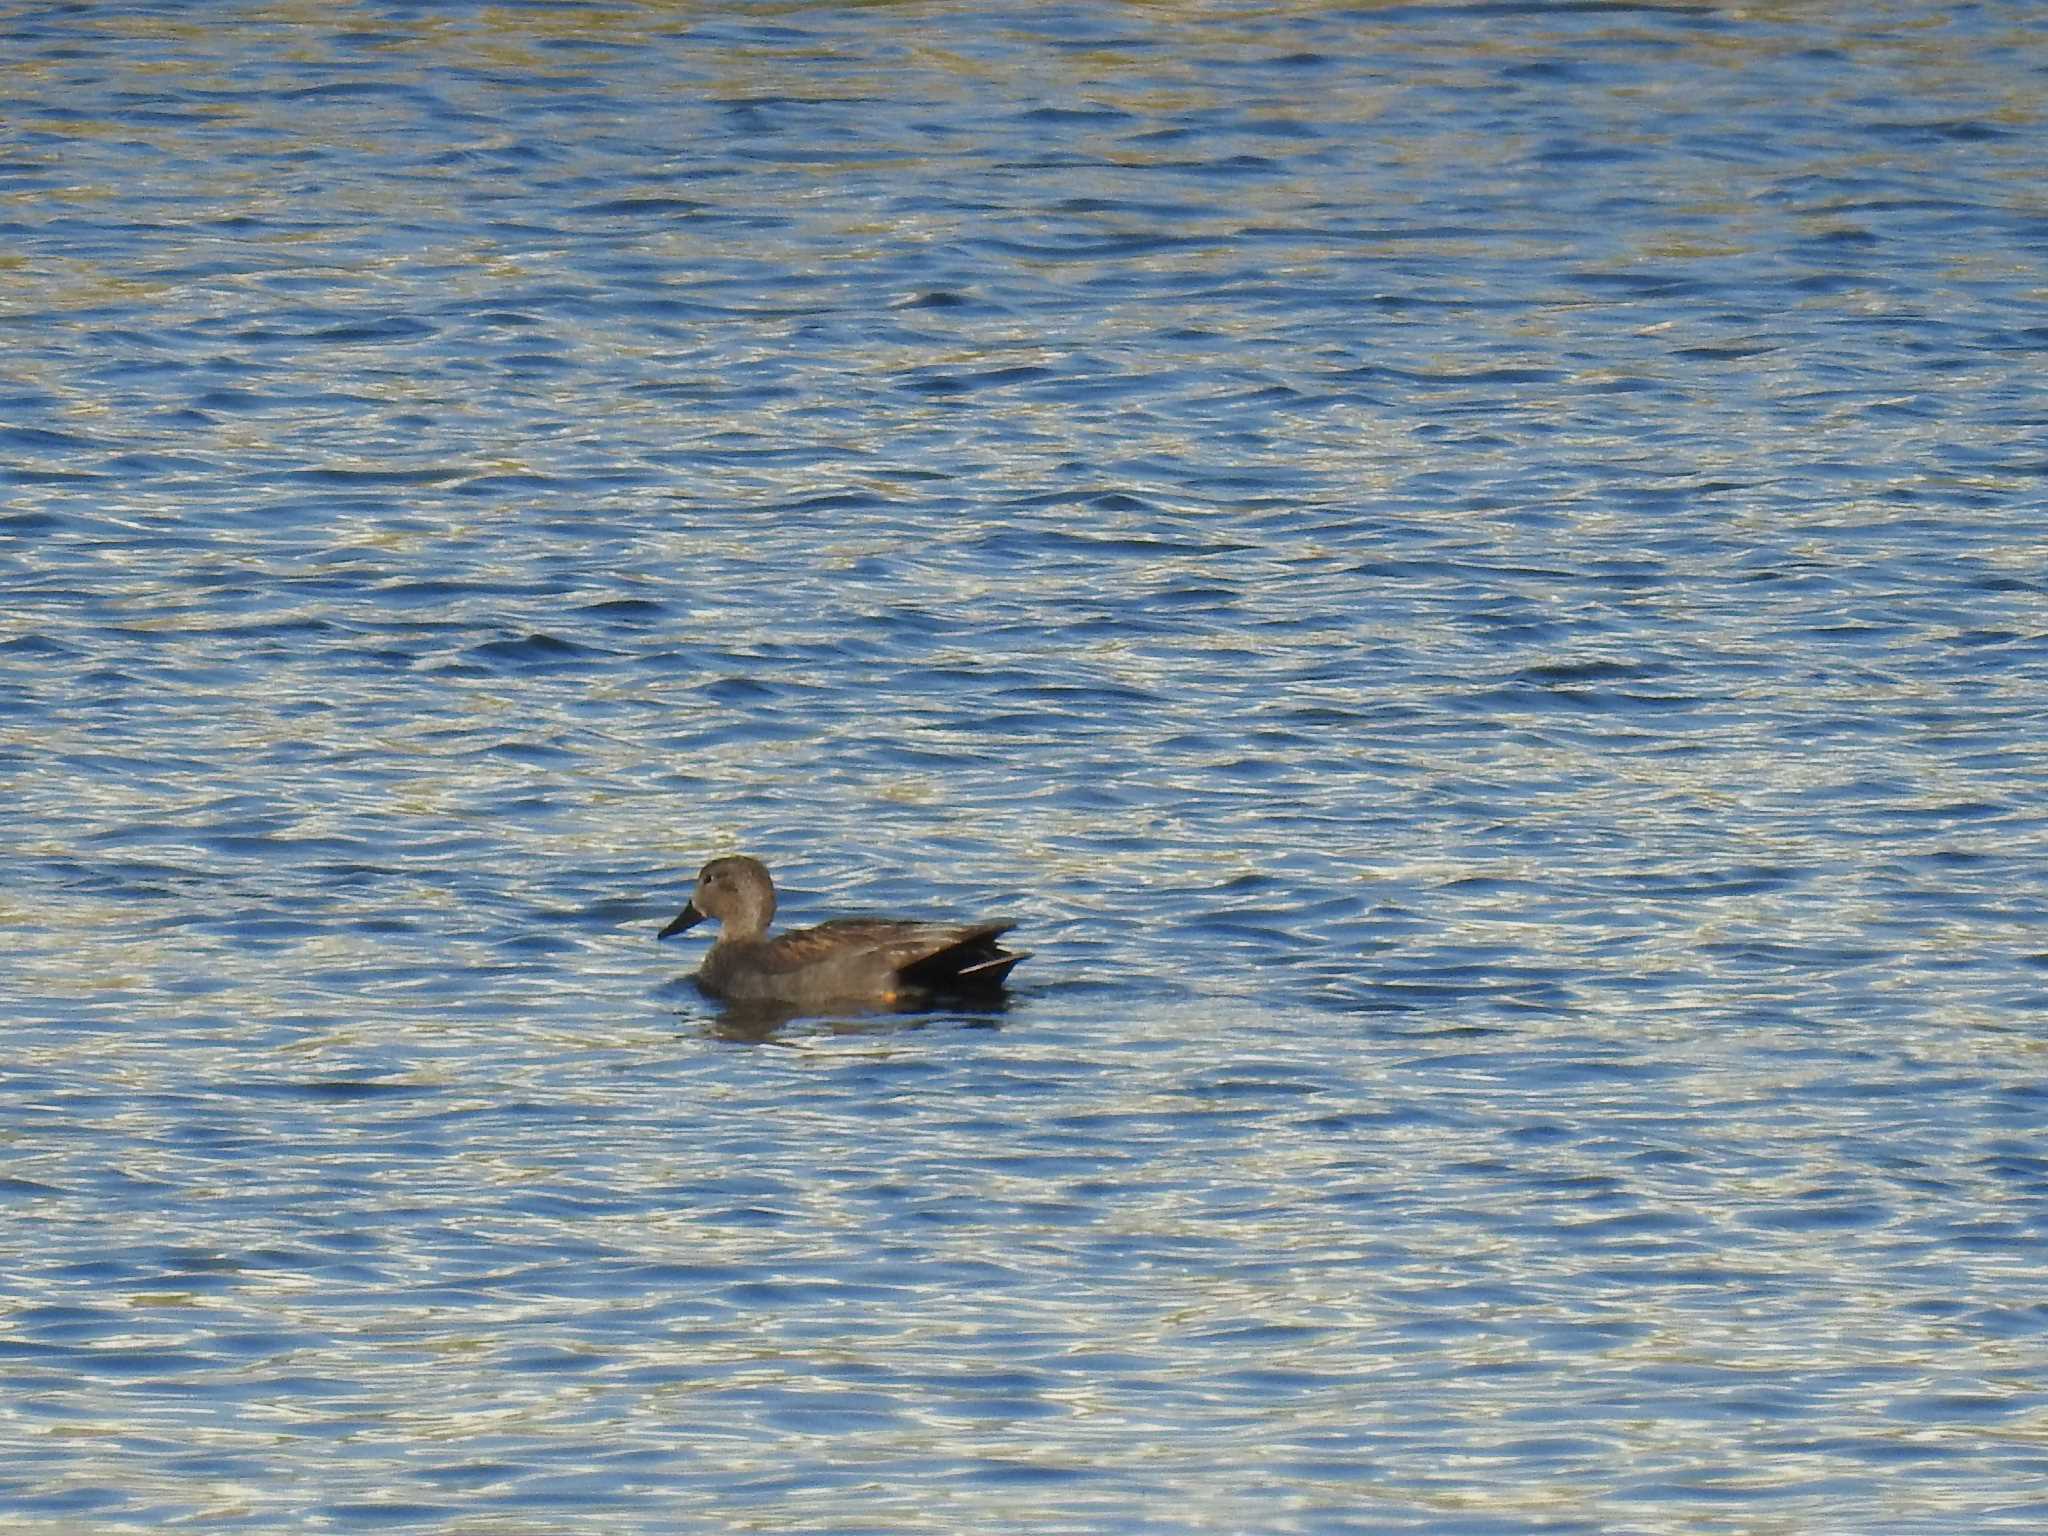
[[850, 960]]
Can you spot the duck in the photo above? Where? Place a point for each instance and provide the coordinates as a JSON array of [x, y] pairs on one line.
[[881, 962]]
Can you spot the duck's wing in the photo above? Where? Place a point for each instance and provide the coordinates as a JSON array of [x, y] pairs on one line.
[[967, 958], [926, 955]]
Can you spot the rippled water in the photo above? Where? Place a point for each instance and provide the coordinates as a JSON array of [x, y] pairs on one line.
[[1473, 575]]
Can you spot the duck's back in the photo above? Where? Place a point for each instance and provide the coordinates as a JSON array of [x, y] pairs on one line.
[[858, 959]]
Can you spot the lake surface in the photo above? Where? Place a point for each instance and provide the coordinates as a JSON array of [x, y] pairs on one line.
[[1473, 576]]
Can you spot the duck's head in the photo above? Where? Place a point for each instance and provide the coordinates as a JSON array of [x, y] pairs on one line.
[[736, 892]]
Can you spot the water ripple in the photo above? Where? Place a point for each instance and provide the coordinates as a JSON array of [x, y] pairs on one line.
[[1468, 573]]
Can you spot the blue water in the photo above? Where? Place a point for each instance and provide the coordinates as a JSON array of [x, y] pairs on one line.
[[1473, 576]]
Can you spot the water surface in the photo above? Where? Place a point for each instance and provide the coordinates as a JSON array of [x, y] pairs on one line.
[[1472, 575]]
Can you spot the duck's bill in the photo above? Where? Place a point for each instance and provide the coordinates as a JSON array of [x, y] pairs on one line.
[[689, 917]]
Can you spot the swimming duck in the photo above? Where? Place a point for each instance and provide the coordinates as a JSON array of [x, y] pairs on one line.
[[876, 961]]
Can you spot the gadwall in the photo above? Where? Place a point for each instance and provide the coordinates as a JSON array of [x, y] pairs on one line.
[[862, 960]]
